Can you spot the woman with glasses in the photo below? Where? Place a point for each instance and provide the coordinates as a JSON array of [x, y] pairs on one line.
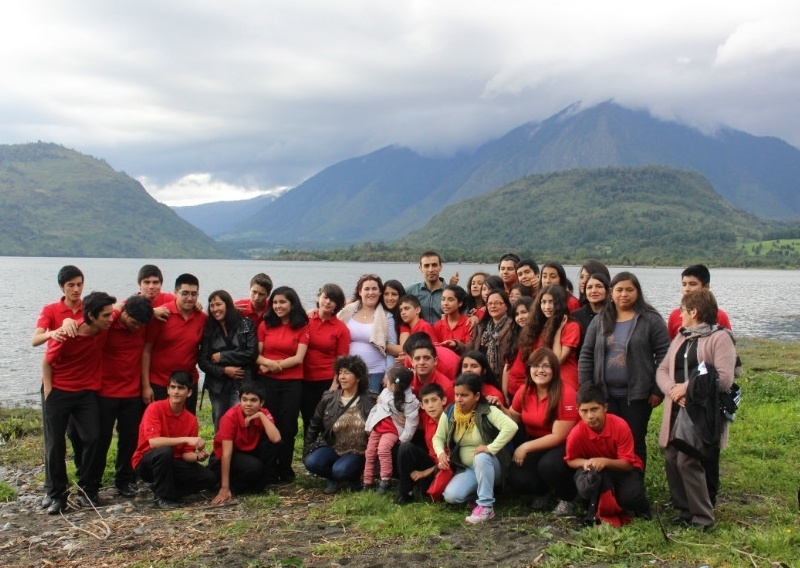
[[492, 335], [545, 407], [371, 327]]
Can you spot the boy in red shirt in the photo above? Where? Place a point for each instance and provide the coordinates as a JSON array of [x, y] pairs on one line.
[[600, 448], [414, 464], [244, 444], [170, 451], [410, 310], [71, 377], [255, 306], [172, 345], [120, 397]]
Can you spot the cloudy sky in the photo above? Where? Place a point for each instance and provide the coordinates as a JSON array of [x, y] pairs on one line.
[[208, 100]]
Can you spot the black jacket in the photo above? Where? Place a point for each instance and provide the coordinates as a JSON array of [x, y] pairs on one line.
[[240, 350]]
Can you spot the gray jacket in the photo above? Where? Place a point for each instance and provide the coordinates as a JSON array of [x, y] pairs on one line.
[[647, 345]]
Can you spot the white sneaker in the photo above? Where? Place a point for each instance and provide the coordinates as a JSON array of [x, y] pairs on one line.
[[480, 514]]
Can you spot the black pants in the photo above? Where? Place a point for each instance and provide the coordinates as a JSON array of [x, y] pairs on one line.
[[637, 414], [173, 478], [412, 457], [312, 394], [160, 393], [283, 402], [542, 471], [628, 489], [711, 465], [75, 441], [126, 413], [81, 408], [249, 471]]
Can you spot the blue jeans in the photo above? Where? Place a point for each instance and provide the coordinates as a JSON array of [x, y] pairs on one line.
[[478, 479], [325, 462], [376, 381]]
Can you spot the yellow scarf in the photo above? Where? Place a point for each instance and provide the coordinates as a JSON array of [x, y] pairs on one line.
[[464, 421]]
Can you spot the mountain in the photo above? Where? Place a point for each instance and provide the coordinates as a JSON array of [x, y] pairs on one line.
[[386, 194], [646, 214], [58, 202], [216, 219]]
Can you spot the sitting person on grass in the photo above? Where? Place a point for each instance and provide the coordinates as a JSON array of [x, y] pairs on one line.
[[170, 451], [609, 474], [244, 444]]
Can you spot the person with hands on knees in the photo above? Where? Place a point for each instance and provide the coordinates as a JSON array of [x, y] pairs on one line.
[[170, 452], [609, 475], [471, 439], [243, 445]]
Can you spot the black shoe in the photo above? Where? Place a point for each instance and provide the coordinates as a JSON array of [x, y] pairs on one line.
[[404, 499], [701, 527], [57, 505], [588, 521], [681, 521], [162, 503], [88, 501], [46, 501], [127, 490], [383, 487]]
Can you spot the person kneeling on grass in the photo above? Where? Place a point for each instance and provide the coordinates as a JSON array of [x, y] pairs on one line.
[[609, 474], [170, 451], [476, 434], [244, 444]]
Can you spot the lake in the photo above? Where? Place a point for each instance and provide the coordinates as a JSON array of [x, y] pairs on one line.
[[760, 303]]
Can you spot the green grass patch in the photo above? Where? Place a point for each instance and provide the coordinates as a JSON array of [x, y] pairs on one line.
[[7, 493], [777, 247]]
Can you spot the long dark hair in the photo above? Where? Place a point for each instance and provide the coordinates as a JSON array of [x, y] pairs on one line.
[[232, 319], [398, 287], [472, 302], [488, 376], [516, 330], [539, 324], [297, 315], [401, 378], [609, 313], [591, 266], [554, 389], [360, 283]]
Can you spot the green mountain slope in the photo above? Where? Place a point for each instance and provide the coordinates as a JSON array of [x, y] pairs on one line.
[[58, 202], [645, 214]]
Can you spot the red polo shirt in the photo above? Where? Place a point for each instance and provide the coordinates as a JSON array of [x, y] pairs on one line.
[[534, 411], [53, 315], [570, 337], [245, 306], [160, 422], [461, 332], [437, 379], [245, 438], [420, 326], [282, 342], [77, 362], [122, 361], [615, 442], [327, 340], [446, 362], [674, 322], [175, 344]]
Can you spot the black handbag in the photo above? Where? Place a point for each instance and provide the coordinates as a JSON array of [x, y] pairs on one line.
[[685, 438]]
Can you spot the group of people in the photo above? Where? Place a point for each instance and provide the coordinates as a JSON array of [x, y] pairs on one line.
[[515, 379]]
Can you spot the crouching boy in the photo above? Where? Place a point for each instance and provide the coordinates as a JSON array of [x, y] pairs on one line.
[[609, 474], [246, 439], [170, 451]]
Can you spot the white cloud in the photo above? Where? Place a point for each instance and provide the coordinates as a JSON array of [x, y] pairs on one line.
[[193, 189], [265, 93]]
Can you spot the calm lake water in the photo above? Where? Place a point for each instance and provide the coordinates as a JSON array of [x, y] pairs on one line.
[[760, 303]]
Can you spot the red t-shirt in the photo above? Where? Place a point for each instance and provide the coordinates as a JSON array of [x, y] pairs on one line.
[[461, 332], [489, 390], [674, 322], [232, 428], [122, 361], [281, 342], [437, 379], [429, 426], [175, 344], [245, 307], [572, 303], [327, 340], [77, 362], [53, 315], [420, 326], [534, 411], [570, 337], [160, 422], [615, 442]]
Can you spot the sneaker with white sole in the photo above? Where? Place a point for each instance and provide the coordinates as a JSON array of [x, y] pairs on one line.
[[564, 509], [480, 514]]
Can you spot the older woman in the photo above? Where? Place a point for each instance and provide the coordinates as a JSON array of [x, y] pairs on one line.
[[701, 343], [337, 428], [372, 328], [492, 335], [621, 351]]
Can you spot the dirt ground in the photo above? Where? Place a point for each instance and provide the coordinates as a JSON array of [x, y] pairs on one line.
[[124, 532]]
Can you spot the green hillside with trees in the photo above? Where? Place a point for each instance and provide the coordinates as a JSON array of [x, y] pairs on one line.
[[58, 202], [644, 215]]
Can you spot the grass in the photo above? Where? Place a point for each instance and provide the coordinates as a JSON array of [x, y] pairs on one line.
[[757, 514]]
